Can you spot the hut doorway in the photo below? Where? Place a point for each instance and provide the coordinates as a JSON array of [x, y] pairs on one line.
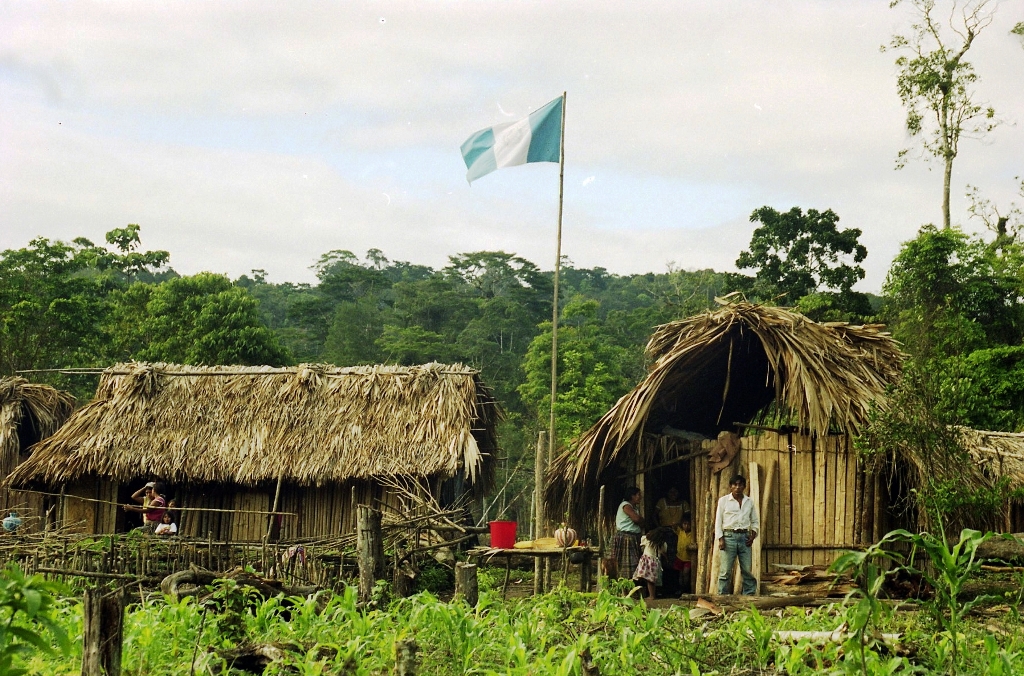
[[659, 481], [126, 521]]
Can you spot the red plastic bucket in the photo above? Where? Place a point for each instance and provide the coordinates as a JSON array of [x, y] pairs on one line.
[[503, 534]]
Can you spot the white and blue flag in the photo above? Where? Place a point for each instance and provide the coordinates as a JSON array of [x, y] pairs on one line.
[[535, 138]]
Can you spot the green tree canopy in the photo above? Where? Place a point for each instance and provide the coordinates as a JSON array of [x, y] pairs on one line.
[[202, 319], [935, 81], [590, 376], [796, 255], [54, 298]]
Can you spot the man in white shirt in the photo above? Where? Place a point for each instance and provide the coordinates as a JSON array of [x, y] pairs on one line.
[[736, 527]]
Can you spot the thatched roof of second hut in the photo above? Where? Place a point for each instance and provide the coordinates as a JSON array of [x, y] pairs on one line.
[[310, 425], [28, 412], [726, 366]]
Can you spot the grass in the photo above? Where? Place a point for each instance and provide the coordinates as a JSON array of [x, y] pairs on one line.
[[549, 634]]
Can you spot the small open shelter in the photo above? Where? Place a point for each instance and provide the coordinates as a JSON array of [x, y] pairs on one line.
[[749, 389], [233, 442], [989, 461], [29, 413]]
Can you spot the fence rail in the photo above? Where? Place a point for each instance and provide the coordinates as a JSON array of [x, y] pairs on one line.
[[136, 556]]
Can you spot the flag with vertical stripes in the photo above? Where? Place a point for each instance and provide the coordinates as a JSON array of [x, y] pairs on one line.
[[535, 138]]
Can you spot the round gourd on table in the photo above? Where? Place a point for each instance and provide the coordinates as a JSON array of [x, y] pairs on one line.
[[565, 536]]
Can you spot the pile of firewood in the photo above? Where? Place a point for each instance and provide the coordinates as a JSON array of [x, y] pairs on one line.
[[796, 580]]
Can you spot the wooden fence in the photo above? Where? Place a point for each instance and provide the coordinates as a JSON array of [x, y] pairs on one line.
[[325, 563]]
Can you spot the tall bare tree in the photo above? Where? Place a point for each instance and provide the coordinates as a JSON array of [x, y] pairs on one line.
[[935, 82]]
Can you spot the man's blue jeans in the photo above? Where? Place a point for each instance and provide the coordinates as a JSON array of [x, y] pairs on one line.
[[736, 548]]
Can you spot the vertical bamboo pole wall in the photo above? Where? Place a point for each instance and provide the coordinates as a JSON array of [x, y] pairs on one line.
[[820, 500]]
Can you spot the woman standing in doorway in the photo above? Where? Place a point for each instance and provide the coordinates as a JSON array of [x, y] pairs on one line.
[[626, 541]]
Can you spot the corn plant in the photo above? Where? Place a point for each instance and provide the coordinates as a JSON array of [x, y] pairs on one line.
[[947, 570], [865, 608]]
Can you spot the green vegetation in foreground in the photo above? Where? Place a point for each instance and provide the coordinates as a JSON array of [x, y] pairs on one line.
[[548, 634]]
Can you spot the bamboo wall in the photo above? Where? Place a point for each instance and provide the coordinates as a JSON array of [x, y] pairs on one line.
[[816, 504], [234, 515]]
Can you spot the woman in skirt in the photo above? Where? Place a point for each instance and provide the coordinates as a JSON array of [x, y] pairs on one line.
[[626, 541]]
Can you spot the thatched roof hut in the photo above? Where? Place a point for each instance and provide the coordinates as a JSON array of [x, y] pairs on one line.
[[246, 426], [29, 412], [726, 366], [234, 443], [996, 456]]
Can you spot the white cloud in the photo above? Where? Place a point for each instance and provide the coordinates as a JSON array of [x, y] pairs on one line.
[[258, 135]]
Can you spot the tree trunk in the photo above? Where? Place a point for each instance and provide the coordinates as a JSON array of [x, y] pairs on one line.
[[947, 178], [102, 632], [370, 548]]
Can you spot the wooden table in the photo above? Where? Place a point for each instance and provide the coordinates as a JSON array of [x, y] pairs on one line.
[[485, 554]]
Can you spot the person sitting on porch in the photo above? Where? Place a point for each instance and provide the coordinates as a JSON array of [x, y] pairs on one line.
[[167, 526], [152, 504], [626, 541], [736, 526]]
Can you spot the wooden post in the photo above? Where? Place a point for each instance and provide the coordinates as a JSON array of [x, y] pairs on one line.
[[406, 663], [707, 582], [600, 537], [766, 513], [402, 580], [538, 520], [102, 632], [867, 507], [466, 586], [277, 496], [755, 552], [369, 547], [353, 511]]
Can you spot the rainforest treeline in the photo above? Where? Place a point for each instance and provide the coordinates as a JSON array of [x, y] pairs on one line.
[[954, 300]]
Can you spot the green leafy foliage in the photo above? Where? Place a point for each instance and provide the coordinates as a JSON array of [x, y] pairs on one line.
[[865, 609], [28, 620], [590, 374], [947, 568], [935, 81], [202, 319], [554, 633], [805, 260]]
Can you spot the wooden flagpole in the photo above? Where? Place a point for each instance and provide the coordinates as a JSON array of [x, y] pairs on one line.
[[554, 304]]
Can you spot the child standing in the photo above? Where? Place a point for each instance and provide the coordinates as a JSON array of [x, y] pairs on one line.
[[684, 534], [654, 544]]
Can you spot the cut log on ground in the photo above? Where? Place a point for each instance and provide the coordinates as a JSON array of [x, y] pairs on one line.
[[190, 583], [1003, 548], [838, 636], [255, 658], [730, 604]]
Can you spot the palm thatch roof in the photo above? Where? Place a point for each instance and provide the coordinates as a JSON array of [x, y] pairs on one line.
[[995, 455], [28, 412], [713, 370], [984, 462], [310, 425]]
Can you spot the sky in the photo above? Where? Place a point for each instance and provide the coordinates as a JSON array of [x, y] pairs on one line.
[[260, 135]]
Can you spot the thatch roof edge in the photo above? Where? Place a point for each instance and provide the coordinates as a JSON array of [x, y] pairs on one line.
[[245, 425]]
